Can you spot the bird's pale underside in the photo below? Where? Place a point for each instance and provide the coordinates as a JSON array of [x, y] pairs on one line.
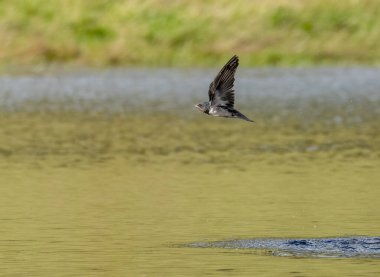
[[221, 94]]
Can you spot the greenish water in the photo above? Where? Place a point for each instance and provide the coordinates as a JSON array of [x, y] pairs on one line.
[[98, 181], [85, 195]]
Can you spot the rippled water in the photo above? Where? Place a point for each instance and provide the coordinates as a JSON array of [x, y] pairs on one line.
[[118, 90], [112, 173], [344, 247]]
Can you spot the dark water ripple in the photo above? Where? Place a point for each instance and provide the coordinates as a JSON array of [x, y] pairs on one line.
[[344, 247]]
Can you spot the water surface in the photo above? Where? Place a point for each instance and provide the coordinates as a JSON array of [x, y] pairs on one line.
[[108, 173], [340, 247]]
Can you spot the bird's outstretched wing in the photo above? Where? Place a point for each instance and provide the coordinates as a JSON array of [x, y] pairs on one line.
[[220, 91]]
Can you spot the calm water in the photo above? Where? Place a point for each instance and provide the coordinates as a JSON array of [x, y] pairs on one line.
[[107, 174]]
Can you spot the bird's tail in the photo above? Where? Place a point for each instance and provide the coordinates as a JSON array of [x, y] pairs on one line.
[[242, 116]]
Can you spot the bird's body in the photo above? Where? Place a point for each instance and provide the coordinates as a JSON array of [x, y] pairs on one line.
[[221, 93]]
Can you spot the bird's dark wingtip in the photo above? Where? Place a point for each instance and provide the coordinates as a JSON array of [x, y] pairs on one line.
[[235, 58]]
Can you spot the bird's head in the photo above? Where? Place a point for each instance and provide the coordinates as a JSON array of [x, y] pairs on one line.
[[203, 107]]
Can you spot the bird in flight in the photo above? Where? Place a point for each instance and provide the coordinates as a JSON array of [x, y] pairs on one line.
[[221, 94]]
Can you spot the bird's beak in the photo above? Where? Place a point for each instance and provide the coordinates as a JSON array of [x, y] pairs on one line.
[[198, 106]]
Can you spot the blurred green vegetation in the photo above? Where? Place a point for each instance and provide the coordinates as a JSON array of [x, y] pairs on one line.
[[189, 33]]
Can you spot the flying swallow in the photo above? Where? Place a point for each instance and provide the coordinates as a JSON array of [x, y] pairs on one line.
[[221, 94]]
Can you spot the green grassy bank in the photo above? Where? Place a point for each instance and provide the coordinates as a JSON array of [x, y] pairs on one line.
[[189, 33]]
